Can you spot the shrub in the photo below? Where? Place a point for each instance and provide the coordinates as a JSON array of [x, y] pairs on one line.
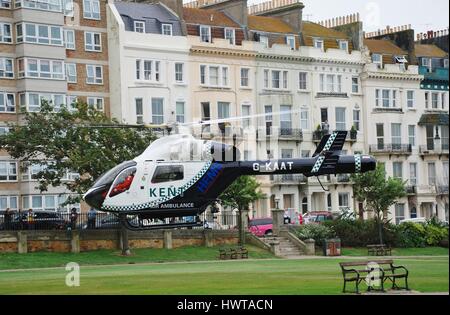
[[410, 235], [435, 234], [317, 232], [361, 233]]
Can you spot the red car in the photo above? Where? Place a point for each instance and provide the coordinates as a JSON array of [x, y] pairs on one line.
[[261, 227]]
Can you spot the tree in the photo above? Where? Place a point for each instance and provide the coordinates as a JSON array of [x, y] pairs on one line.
[[239, 195], [378, 193], [84, 141]]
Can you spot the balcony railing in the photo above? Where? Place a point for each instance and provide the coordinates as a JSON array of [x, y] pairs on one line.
[[289, 179], [442, 189], [331, 94], [426, 189], [432, 149], [411, 190], [318, 134], [343, 178], [437, 73], [394, 148], [290, 134]]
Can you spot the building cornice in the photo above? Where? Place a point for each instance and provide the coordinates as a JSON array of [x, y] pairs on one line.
[[394, 76], [222, 52], [306, 59]]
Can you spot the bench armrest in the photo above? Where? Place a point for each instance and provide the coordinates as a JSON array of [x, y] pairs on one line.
[[345, 271], [399, 267]]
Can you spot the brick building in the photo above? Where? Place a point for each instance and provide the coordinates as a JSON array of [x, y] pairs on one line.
[[55, 50]]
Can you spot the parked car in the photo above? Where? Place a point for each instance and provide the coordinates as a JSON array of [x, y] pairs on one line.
[[297, 219], [317, 217], [42, 220], [261, 227]]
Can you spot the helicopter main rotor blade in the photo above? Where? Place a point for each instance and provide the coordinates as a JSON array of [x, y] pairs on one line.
[[188, 124]]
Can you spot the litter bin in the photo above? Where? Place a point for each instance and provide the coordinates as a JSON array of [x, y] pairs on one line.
[[332, 247]]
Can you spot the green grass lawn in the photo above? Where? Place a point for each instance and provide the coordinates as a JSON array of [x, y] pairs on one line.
[[274, 276], [108, 257], [427, 251]]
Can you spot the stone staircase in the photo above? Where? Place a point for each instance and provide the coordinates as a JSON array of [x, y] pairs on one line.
[[283, 246]]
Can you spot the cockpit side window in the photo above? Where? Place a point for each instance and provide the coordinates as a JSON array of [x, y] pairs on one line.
[[168, 173]]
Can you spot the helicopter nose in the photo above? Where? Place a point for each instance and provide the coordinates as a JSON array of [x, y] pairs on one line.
[[368, 163], [95, 196]]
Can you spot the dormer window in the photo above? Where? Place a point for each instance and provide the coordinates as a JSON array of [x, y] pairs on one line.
[[166, 29], [400, 59], [290, 41], [343, 44], [139, 26], [205, 34], [426, 62], [377, 59], [318, 43], [263, 39], [230, 35]]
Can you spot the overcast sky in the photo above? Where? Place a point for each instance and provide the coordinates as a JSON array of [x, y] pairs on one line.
[[423, 15]]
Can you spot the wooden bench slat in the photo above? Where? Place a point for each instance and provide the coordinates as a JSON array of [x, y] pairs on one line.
[[363, 263]]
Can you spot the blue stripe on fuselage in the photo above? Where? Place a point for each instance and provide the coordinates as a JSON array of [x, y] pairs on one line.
[[210, 176]]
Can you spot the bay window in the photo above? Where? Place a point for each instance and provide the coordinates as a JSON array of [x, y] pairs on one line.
[[7, 103], [8, 202], [5, 33], [69, 39], [8, 171], [214, 76], [39, 34], [47, 5], [41, 68], [31, 101], [148, 70], [71, 72]]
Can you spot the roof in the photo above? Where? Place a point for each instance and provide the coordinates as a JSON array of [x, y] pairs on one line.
[[384, 47], [268, 24], [153, 14], [208, 17], [430, 50], [434, 119], [316, 30]]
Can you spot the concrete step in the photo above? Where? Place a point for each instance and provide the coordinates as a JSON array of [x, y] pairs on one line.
[[286, 247]]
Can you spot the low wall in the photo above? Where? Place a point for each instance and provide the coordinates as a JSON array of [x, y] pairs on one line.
[[62, 241]]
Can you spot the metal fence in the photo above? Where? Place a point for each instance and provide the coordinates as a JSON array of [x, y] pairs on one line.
[[42, 220]]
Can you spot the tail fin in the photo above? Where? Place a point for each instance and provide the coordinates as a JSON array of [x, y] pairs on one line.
[[328, 153], [332, 142]]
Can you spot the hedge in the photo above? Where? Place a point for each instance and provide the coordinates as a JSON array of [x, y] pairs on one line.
[[357, 233]]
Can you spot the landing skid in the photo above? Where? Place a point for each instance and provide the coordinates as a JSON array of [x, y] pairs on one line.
[[146, 224]]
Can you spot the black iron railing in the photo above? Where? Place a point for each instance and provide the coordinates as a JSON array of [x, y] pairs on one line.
[[291, 133], [432, 149], [48, 220], [391, 148]]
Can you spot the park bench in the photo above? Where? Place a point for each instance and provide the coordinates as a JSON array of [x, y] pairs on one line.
[[358, 271], [379, 250], [233, 253]]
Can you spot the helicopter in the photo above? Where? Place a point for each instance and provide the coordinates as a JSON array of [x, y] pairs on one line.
[[180, 176]]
